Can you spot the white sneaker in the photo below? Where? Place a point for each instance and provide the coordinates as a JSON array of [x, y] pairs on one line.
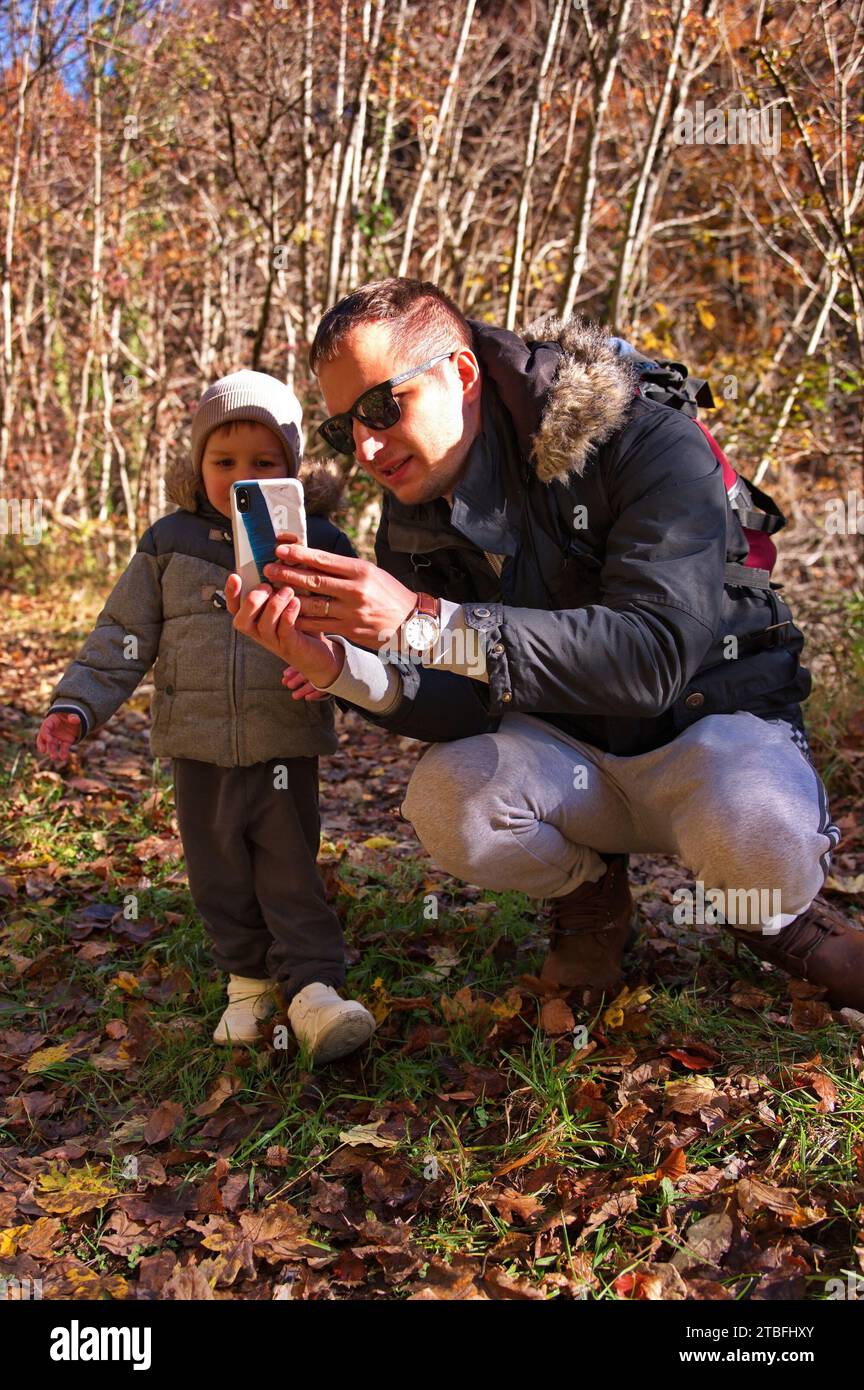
[[248, 1002], [330, 1026]]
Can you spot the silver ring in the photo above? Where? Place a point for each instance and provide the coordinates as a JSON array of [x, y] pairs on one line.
[[326, 607]]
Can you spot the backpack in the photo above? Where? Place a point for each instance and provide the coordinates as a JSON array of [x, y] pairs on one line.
[[760, 518]]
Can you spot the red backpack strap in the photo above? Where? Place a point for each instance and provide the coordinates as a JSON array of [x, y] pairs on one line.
[[766, 516], [730, 477]]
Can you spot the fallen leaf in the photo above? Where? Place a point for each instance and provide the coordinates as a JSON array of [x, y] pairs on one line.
[[627, 999], [705, 1242], [557, 1017], [853, 886], [73, 1191], [755, 1196], [508, 1201], [689, 1096], [225, 1086], [366, 1134], [691, 1060], [163, 1121], [807, 1015], [655, 1282], [48, 1057], [126, 981]]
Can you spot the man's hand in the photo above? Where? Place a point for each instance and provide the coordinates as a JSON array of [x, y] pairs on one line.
[[341, 595], [270, 618], [56, 735]]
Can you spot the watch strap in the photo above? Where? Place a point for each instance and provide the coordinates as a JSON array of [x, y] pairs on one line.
[[429, 605]]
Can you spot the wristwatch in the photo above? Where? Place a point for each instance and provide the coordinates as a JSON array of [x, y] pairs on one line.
[[422, 627]]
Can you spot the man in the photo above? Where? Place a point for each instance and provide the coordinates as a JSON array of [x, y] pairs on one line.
[[559, 608]]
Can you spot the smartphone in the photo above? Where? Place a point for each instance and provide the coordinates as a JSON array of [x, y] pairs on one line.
[[260, 509]]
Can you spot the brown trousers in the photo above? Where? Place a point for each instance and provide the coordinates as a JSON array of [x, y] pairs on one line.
[[250, 836]]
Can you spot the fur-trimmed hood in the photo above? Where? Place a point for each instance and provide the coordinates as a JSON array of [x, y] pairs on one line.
[[322, 485], [565, 385]]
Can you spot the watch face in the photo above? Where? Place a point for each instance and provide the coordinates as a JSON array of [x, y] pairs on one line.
[[421, 631]]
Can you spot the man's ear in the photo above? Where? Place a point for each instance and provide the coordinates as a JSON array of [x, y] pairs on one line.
[[469, 374]]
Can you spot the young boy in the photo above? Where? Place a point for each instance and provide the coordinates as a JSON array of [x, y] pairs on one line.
[[244, 752]]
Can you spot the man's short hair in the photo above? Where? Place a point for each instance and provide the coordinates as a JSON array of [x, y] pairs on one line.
[[422, 319]]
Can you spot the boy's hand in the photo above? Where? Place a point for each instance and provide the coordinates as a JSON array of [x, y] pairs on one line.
[[270, 618], [57, 734], [302, 689]]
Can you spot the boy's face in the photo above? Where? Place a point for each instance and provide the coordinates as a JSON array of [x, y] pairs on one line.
[[236, 451]]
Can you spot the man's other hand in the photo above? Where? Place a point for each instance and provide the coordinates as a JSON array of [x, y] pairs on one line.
[[270, 618]]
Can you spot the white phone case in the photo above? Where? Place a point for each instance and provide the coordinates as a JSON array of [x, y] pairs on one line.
[[273, 505]]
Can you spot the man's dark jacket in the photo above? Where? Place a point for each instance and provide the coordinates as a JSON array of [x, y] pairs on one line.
[[611, 618]]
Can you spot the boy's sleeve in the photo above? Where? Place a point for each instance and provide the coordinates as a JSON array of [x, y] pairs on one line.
[[343, 546], [122, 646]]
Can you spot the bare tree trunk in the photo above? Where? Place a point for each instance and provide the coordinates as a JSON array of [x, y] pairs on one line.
[[460, 189], [372, 42], [528, 166], [552, 204], [7, 361], [336, 179], [389, 115], [588, 180], [429, 161], [619, 299], [307, 306]]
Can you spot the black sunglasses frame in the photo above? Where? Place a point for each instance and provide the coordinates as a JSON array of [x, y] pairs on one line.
[[338, 427]]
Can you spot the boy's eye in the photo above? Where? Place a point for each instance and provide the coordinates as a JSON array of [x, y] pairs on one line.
[[259, 463]]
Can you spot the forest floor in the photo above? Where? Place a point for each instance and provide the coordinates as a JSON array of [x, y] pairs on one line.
[[702, 1138]]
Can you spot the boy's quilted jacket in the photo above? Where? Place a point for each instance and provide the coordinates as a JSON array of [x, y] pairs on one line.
[[218, 695]]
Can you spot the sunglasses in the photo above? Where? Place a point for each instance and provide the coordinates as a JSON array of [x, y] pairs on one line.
[[378, 408]]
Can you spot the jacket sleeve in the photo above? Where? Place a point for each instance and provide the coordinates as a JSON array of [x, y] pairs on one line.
[[634, 651], [436, 706], [122, 646]]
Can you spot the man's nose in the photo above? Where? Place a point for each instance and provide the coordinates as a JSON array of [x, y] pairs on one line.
[[367, 443]]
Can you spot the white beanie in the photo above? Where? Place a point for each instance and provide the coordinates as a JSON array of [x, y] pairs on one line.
[[249, 395]]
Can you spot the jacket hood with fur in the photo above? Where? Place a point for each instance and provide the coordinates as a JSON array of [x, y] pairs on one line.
[[564, 384]]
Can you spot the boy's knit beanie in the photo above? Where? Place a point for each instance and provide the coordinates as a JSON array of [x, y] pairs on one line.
[[249, 395]]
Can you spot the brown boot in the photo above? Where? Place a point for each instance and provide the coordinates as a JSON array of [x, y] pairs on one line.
[[590, 929], [820, 946]]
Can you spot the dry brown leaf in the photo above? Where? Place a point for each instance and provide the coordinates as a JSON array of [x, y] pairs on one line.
[[225, 1086], [755, 1196], [690, 1094], [508, 1201], [163, 1121], [556, 1017]]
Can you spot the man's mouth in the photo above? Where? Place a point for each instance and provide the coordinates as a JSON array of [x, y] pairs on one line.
[[395, 469]]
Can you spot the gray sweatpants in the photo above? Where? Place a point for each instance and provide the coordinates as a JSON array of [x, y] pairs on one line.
[[735, 797]]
